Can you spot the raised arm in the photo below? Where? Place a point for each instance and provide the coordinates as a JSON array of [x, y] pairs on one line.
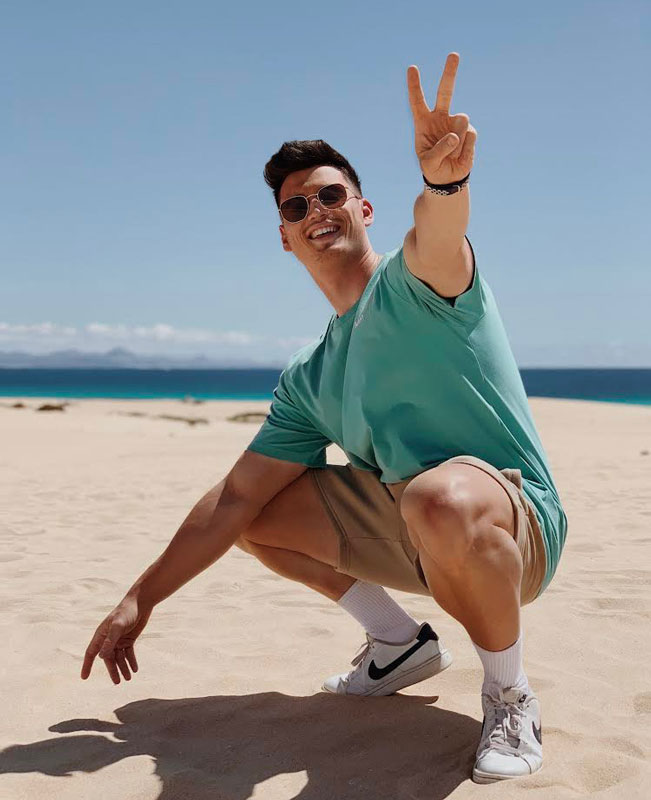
[[435, 249], [210, 529]]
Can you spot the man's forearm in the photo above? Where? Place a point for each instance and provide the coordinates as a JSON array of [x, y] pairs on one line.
[[445, 147], [209, 530], [441, 222]]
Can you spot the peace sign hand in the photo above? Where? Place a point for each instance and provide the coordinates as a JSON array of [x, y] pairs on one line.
[[445, 144]]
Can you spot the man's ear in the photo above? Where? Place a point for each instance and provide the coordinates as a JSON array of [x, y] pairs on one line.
[[367, 212], [283, 237]]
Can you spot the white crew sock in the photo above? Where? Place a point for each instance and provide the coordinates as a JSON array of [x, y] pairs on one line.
[[378, 613], [504, 667]]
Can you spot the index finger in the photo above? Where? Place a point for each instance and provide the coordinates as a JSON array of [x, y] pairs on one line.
[[417, 101], [446, 85]]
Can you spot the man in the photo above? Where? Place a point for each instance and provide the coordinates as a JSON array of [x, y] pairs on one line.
[[447, 491]]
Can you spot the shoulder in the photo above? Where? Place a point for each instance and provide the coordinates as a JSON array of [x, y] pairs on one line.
[[307, 353], [301, 364]]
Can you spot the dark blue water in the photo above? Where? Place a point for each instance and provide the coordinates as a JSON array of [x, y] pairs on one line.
[[231, 384], [608, 385]]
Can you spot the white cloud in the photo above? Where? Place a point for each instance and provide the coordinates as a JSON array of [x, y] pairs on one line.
[[295, 341], [110, 331], [159, 339], [39, 329], [167, 340], [162, 332]]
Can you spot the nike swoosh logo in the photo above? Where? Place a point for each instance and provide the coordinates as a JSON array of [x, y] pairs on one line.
[[537, 732], [376, 673]]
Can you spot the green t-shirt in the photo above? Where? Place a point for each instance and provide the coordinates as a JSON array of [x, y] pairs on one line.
[[406, 379]]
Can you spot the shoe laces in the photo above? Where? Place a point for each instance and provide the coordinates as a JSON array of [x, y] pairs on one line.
[[360, 657], [506, 725], [363, 651]]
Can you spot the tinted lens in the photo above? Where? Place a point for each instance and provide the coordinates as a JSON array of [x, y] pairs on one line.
[[332, 196], [294, 209]]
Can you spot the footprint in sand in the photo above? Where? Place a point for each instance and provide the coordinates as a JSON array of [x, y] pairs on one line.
[[598, 771], [584, 547], [622, 745], [628, 604], [642, 703], [610, 760], [312, 630], [619, 579], [91, 584], [62, 588]]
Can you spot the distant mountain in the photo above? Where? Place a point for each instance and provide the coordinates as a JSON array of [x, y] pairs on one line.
[[119, 358]]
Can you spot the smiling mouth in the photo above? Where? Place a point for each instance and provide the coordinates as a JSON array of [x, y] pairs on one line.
[[325, 232]]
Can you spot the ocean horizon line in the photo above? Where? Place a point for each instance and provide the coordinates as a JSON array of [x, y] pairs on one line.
[[628, 385], [263, 367]]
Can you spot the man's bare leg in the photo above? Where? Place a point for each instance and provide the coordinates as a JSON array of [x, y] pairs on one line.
[[298, 567], [461, 521], [295, 537]]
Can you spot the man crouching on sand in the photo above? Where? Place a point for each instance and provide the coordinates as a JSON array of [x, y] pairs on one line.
[[447, 492]]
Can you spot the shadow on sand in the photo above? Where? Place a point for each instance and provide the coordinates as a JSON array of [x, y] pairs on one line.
[[221, 747]]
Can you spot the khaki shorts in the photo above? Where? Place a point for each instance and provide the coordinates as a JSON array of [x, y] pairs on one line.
[[374, 545]]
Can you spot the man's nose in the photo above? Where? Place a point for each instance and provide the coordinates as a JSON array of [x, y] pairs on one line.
[[315, 205]]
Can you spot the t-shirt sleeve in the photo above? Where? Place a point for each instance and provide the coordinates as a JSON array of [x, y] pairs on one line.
[[287, 433], [466, 308]]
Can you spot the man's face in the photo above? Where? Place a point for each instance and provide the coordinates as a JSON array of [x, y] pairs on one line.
[[351, 219]]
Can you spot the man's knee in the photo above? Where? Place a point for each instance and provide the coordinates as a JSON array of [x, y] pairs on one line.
[[446, 517]]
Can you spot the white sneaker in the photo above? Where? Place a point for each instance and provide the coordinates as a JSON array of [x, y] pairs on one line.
[[511, 735], [382, 668]]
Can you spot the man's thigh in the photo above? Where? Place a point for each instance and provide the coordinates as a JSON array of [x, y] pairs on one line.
[[484, 494], [295, 519]]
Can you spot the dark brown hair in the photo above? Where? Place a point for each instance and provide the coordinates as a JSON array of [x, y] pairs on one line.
[[301, 154]]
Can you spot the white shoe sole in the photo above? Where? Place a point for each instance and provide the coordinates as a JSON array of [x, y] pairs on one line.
[[420, 673], [487, 777]]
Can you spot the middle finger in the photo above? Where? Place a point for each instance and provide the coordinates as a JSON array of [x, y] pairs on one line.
[[109, 663], [446, 86]]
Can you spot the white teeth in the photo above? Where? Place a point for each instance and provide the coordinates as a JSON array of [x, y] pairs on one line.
[[321, 231]]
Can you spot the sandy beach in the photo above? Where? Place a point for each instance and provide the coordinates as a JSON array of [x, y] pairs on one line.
[[227, 703]]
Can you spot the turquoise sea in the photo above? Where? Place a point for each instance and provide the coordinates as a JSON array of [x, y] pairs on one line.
[[607, 385]]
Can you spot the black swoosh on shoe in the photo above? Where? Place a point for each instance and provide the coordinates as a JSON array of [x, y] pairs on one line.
[[537, 732], [425, 634]]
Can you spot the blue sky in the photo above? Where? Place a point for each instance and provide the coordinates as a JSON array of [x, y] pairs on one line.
[[134, 136]]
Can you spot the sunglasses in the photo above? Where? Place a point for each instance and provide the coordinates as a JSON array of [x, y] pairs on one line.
[[296, 208]]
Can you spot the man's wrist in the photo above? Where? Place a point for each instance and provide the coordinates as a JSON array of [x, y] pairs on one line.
[[446, 188], [141, 593]]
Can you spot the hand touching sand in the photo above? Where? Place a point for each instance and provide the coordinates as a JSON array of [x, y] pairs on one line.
[[115, 637]]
